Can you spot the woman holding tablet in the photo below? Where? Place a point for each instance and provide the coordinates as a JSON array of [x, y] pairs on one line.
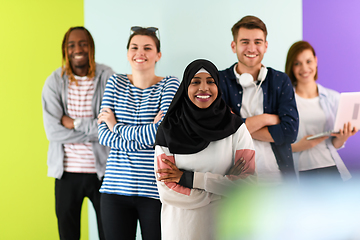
[[317, 108]]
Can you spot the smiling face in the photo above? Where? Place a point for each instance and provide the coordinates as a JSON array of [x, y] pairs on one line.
[[202, 90], [305, 67], [142, 53], [250, 48], [78, 51]]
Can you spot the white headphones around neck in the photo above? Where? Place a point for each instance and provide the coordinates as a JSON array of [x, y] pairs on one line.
[[246, 79]]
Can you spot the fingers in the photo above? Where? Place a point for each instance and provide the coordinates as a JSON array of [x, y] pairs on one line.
[[240, 164], [349, 127], [108, 110], [347, 130], [172, 174], [102, 114], [101, 118], [165, 170], [105, 112], [169, 175], [171, 165], [237, 168], [158, 116], [355, 130], [106, 115], [168, 179], [351, 130]]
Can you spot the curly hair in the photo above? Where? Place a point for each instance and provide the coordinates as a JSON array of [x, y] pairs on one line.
[[66, 67]]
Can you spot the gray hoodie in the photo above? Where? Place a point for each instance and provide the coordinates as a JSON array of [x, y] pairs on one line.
[[54, 103]]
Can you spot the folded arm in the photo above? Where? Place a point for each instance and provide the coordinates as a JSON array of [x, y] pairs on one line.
[[282, 126], [176, 195], [258, 126], [53, 114], [145, 134], [241, 171]]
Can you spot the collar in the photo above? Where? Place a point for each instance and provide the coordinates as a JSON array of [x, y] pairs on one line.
[[322, 90], [80, 77], [237, 75]]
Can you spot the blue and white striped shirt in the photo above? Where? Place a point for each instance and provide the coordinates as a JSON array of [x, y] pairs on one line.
[[130, 165]]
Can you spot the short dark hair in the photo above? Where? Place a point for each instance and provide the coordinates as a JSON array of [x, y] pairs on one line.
[[145, 32], [248, 22], [293, 52]]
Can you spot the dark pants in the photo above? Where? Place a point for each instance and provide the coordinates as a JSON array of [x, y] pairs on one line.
[[319, 173], [70, 192], [120, 214]]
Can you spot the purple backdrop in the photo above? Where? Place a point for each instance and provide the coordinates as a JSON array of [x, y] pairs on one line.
[[332, 27]]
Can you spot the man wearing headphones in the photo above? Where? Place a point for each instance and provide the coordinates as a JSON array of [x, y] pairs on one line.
[[264, 98]]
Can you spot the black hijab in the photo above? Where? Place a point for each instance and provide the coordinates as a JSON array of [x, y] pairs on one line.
[[188, 129]]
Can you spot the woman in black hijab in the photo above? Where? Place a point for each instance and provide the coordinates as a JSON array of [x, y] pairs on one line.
[[201, 147]]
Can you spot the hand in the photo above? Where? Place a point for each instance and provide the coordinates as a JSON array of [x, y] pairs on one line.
[[108, 117], [158, 116], [171, 175], [67, 122], [237, 168], [343, 135], [304, 144]]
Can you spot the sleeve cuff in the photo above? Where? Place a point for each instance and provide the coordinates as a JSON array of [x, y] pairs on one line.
[[199, 180], [187, 179], [77, 123], [117, 126]]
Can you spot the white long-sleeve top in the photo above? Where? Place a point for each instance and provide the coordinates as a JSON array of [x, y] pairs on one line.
[[187, 213]]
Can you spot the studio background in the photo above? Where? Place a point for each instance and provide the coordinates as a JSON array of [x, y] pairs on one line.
[[30, 49]]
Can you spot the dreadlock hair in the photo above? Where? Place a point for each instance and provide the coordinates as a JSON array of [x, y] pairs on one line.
[[66, 67]]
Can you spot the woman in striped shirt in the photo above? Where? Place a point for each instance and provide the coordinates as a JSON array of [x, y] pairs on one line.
[[132, 109]]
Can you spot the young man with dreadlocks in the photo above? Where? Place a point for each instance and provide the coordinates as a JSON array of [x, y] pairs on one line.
[[71, 100]]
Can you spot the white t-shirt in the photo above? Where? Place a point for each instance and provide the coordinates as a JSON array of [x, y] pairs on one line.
[[266, 166], [312, 121]]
